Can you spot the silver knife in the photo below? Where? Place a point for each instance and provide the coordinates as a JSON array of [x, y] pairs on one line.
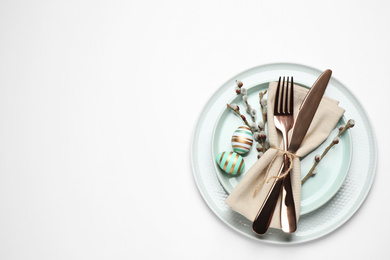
[[302, 122]]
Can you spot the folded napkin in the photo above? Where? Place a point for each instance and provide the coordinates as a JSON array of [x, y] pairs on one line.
[[249, 194]]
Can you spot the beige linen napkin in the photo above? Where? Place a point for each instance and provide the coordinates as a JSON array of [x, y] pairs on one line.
[[249, 194]]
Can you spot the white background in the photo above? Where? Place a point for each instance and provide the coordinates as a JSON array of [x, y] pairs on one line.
[[99, 99]]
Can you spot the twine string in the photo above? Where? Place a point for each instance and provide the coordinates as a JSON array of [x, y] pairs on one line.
[[290, 157]]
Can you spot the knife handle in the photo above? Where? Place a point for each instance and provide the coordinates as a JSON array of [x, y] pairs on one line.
[[288, 217], [263, 219]]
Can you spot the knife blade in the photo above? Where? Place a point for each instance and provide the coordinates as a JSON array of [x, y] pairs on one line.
[[302, 123], [308, 109]]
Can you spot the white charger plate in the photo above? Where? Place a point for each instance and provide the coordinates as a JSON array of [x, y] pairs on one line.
[[338, 200]]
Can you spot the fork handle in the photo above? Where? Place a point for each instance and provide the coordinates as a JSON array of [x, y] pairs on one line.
[[263, 219]]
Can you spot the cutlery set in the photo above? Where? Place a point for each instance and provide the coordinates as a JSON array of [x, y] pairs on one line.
[[284, 122]]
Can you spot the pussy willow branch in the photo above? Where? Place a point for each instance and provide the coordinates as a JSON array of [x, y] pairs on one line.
[[264, 115], [261, 95], [242, 116], [311, 173], [249, 109]]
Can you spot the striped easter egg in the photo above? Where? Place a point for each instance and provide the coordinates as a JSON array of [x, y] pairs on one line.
[[230, 162], [242, 140]]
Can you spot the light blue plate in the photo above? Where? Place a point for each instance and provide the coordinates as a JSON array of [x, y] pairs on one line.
[[326, 205], [316, 191]]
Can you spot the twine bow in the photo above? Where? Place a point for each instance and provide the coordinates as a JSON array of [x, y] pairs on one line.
[[290, 156]]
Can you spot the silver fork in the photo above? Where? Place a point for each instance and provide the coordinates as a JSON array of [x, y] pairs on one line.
[[284, 120]]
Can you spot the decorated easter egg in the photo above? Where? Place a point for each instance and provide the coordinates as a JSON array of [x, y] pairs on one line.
[[242, 140], [230, 162]]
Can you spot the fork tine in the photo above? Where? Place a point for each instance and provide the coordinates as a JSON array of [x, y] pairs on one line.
[[286, 98], [276, 104], [282, 99], [292, 96]]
